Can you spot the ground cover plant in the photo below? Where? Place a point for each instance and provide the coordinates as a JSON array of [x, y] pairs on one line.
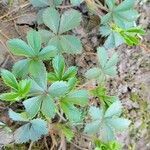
[[55, 99]]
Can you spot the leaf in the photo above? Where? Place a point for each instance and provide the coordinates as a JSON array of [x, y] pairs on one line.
[[31, 131], [69, 20], [72, 113], [10, 97], [79, 97], [123, 15], [114, 110], [96, 113], [9, 79], [106, 133], [16, 116], [93, 73], [112, 61], [32, 105], [71, 72], [119, 124], [47, 53], [51, 19], [48, 107], [92, 128], [52, 76], [20, 48], [76, 2], [71, 44], [69, 134], [46, 35], [114, 40], [58, 89], [59, 66], [34, 40], [102, 56], [72, 83], [38, 73], [40, 3], [110, 3], [24, 87], [20, 68]]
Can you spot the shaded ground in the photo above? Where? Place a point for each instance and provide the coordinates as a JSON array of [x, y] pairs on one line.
[[132, 83]]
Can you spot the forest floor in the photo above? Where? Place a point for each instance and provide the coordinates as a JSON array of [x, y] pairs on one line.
[[132, 83]]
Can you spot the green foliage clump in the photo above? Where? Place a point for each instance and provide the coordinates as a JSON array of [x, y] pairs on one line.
[[53, 97]]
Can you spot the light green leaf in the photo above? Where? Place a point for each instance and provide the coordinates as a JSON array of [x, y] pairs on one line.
[[20, 68], [69, 20], [93, 73], [46, 35], [20, 48], [47, 53], [110, 3], [119, 124], [38, 72], [10, 97], [34, 40], [51, 18], [48, 107], [115, 109], [112, 61], [31, 131], [32, 105], [92, 128], [71, 112], [71, 44], [16, 116], [79, 97], [96, 113], [24, 87], [72, 83], [58, 89], [59, 66], [102, 56], [9, 79], [39, 3], [71, 72]]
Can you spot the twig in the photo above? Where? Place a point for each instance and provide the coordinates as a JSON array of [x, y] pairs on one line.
[[30, 147], [77, 146], [45, 142], [145, 47], [15, 10], [63, 143], [7, 49]]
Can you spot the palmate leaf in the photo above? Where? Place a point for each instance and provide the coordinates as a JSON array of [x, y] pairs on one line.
[[106, 123], [123, 15], [107, 66], [33, 131], [59, 25]]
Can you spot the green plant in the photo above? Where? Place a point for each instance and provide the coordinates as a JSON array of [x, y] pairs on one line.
[[60, 24], [52, 99], [41, 5]]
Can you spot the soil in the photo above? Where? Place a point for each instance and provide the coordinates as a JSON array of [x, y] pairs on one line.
[[132, 83]]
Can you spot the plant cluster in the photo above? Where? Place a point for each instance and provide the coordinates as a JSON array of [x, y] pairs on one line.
[[52, 99]]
